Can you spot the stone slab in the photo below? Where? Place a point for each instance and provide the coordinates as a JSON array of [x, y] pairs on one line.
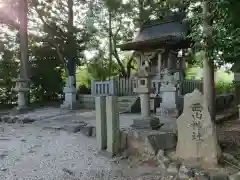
[[149, 122], [87, 130], [164, 141], [149, 141]]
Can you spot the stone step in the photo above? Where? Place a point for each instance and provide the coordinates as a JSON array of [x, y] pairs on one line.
[[126, 98], [124, 104]]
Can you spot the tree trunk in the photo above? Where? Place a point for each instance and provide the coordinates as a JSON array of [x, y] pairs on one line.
[[110, 41], [71, 54], [208, 64], [23, 34]]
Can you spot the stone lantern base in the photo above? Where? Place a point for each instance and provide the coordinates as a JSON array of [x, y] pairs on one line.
[[148, 122]]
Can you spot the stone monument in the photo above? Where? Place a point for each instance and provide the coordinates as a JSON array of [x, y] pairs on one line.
[[144, 89], [70, 101], [197, 139]]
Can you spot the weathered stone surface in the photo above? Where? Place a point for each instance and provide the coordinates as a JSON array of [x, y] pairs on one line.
[[173, 168], [94, 133], [185, 172], [196, 133], [138, 143], [218, 176], [235, 176], [164, 140], [123, 137], [113, 127], [101, 124], [11, 119], [87, 130], [164, 162], [26, 120], [160, 153], [74, 128], [148, 122]]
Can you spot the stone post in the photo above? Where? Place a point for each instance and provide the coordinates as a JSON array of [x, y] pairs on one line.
[[145, 105], [93, 91], [112, 87], [113, 129], [101, 126]]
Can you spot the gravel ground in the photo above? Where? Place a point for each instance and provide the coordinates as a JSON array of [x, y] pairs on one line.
[[30, 152]]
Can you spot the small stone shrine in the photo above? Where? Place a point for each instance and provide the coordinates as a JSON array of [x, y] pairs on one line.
[[161, 44], [197, 139]]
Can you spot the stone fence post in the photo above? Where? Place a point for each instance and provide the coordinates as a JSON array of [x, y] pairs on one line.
[[113, 129], [112, 87], [93, 90], [101, 126]]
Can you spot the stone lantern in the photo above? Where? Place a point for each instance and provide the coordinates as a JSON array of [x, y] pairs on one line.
[[70, 101], [21, 88], [144, 89]]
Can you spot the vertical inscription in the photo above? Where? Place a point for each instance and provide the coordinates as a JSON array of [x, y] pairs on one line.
[[197, 121]]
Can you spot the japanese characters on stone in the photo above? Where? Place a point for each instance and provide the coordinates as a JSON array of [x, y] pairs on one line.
[[197, 113]]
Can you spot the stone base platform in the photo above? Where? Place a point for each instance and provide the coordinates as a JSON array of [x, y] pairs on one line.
[[149, 122], [147, 142]]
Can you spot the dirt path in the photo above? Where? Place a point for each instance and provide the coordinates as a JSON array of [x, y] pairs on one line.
[[30, 152]]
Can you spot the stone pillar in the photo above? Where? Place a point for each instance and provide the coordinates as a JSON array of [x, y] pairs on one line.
[[145, 105], [113, 129], [101, 126], [159, 63], [70, 101], [138, 61]]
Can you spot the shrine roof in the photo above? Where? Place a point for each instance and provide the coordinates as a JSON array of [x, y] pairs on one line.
[[159, 33]]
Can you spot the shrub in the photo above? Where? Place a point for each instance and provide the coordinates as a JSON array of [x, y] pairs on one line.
[[224, 87]]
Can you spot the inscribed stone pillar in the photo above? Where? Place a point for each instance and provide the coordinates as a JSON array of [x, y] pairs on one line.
[[197, 139], [113, 129], [101, 126]]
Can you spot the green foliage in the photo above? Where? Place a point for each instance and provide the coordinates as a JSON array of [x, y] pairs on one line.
[[8, 71], [46, 74], [99, 68], [224, 87]]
